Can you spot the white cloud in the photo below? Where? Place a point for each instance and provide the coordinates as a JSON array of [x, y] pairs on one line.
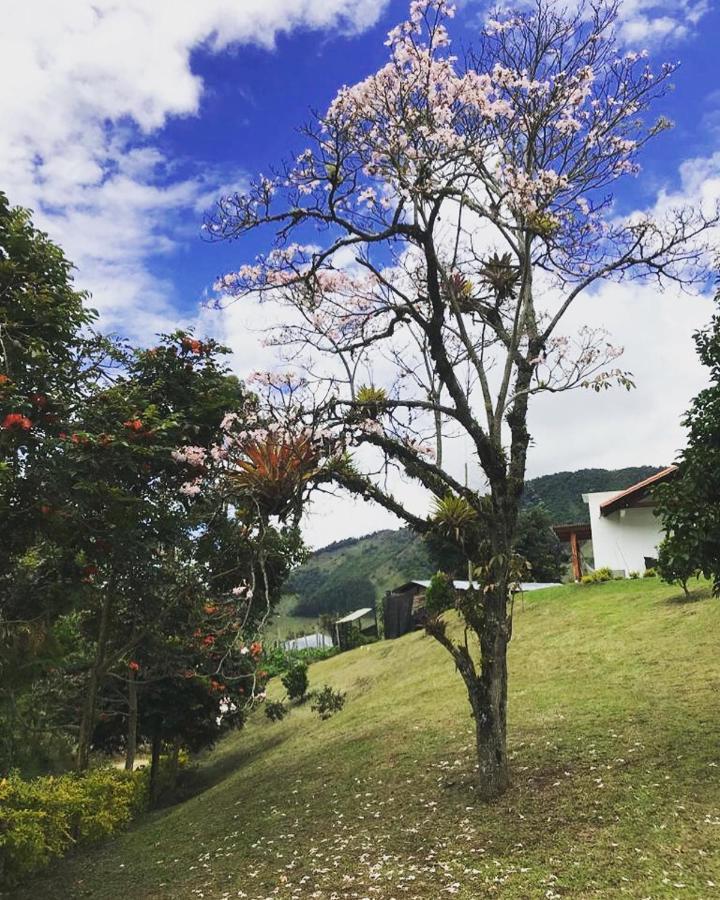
[[642, 23], [651, 22], [86, 83], [619, 428]]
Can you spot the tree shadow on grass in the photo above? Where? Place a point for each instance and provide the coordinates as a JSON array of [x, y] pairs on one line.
[[695, 595], [207, 774]]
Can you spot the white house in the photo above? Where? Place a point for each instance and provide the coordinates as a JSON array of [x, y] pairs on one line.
[[625, 531]]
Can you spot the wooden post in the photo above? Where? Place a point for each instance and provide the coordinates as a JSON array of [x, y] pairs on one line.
[[575, 553]]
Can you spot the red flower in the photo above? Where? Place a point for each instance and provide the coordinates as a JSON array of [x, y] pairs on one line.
[[46, 509], [255, 648], [39, 400], [208, 640], [4, 379], [192, 345], [104, 439], [134, 424], [189, 673], [16, 422], [209, 609], [135, 666]]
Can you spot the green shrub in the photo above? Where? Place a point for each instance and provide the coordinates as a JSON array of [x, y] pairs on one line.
[[603, 574], [278, 660], [43, 817], [649, 573], [275, 710], [295, 681], [633, 574], [326, 702]]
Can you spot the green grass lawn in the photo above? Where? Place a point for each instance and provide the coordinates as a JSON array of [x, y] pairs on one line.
[[615, 741]]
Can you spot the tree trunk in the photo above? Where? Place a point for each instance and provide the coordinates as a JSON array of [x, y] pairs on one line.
[[155, 766], [132, 722], [487, 688], [174, 762], [490, 707], [87, 721]]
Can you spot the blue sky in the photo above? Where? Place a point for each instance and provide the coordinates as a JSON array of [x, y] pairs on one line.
[[131, 117], [255, 99]]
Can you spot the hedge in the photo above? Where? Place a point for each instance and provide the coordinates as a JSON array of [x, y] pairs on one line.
[[43, 818]]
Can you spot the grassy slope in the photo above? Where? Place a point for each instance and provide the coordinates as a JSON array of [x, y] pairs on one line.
[[388, 558], [614, 732]]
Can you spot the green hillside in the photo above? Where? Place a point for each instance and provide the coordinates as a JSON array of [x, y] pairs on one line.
[[562, 492], [615, 744], [356, 572]]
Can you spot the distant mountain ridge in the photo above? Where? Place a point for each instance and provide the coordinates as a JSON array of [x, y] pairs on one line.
[[355, 572], [561, 493]]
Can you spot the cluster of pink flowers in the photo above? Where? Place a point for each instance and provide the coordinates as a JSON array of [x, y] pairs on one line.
[[193, 456], [529, 193]]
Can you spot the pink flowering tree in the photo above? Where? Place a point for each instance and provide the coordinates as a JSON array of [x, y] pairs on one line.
[[426, 247]]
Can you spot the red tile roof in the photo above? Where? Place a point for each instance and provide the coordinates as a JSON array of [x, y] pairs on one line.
[[632, 495]]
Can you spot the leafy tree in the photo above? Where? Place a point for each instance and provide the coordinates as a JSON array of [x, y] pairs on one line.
[[679, 560], [440, 595], [474, 202], [536, 542], [129, 519], [689, 504], [50, 361], [131, 600]]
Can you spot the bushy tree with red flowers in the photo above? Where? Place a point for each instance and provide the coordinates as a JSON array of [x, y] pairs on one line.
[[117, 578], [50, 362]]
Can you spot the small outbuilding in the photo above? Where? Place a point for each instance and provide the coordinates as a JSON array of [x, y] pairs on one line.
[[352, 628], [316, 641]]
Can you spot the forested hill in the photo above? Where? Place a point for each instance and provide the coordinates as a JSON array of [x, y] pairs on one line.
[[353, 573], [356, 572], [561, 493]]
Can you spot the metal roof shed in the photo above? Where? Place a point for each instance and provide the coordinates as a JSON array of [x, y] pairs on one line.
[[349, 628]]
